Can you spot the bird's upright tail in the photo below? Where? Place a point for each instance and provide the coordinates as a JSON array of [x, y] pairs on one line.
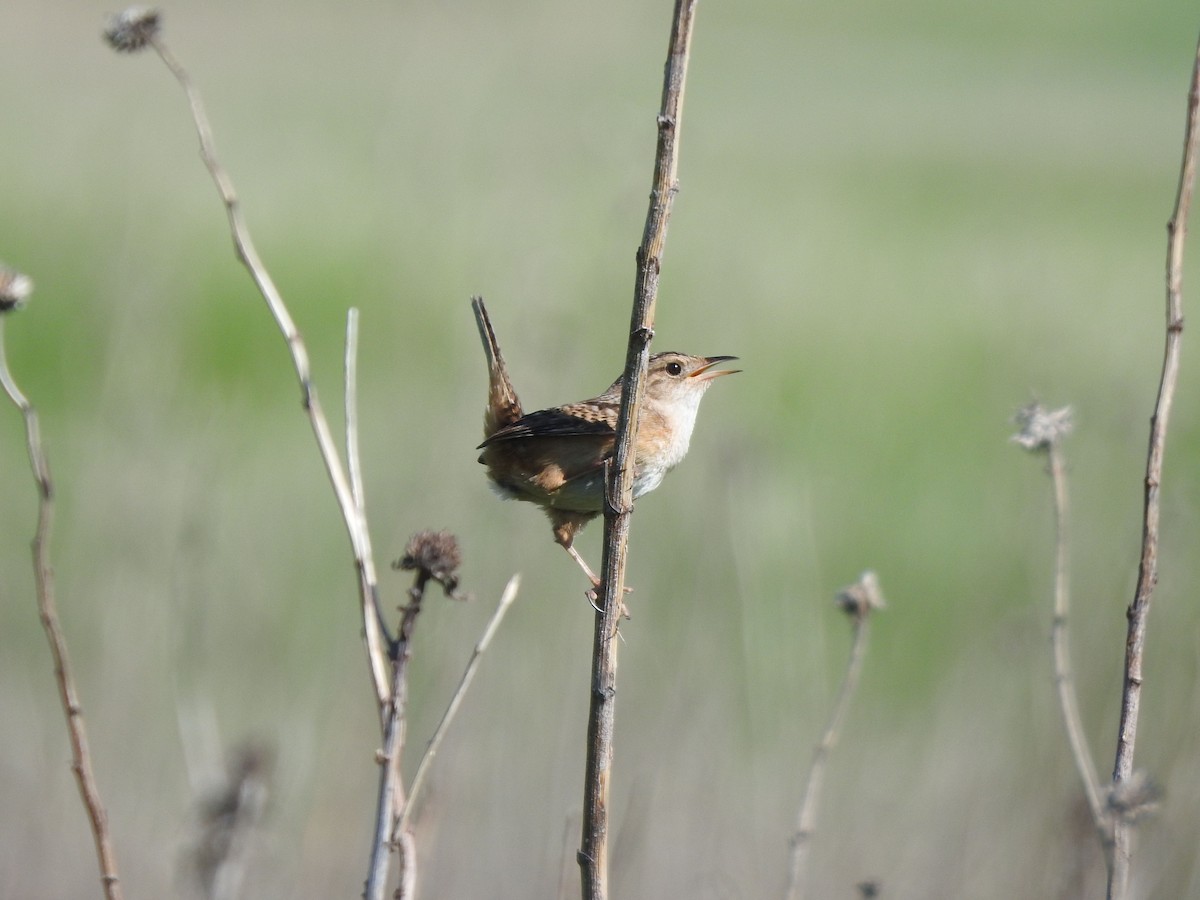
[[503, 406]]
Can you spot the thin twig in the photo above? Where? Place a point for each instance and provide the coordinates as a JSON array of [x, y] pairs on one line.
[[81, 757], [434, 556], [431, 749], [391, 786], [1042, 431], [1064, 678], [1131, 692], [365, 556], [353, 459], [593, 852], [857, 601], [137, 28]]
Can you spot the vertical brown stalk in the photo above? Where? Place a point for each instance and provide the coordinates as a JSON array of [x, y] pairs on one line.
[[81, 757], [593, 852], [1139, 609]]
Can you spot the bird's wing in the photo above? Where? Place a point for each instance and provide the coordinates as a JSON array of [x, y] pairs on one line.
[[579, 419]]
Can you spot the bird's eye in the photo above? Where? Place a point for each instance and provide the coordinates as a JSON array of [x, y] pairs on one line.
[[674, 368]]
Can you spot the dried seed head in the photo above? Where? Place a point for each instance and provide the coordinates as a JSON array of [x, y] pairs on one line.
[[1041, 428], [434, 555], [132, 29], [858, 599], [14, 288], [435, 552]]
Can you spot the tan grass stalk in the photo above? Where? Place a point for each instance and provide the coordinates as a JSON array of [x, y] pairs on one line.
[[13, 290], [593, 851], [1123, 804]]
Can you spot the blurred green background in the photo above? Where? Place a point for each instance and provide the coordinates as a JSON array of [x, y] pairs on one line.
[[907, 220]]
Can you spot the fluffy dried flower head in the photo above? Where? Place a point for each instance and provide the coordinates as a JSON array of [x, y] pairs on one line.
[[435, 556], [434, 552], [858, 599], [14, 288], [1041, 428], [132, 29]]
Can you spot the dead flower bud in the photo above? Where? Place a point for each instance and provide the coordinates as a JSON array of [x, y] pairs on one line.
[[14, 288], [433, 555], [858, 599], [132, 29], [1041, 428]]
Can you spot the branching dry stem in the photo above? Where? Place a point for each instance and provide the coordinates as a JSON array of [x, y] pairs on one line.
[[593, 851], [352, 514], [133, 30], [431, 749]]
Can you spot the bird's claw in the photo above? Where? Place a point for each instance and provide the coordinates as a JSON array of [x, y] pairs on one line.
[[594, 599]]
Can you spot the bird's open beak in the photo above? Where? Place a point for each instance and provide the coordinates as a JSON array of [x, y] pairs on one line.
[[706, 372]]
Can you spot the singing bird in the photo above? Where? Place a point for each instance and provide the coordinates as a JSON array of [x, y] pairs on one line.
[[556, 457]]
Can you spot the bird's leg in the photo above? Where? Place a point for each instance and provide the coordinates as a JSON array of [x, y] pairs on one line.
[[587, 570], [591, 593], [566, 526]]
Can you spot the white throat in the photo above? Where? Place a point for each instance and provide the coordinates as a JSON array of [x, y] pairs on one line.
[[680, 419]]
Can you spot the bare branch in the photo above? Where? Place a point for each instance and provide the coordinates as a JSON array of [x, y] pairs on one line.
[[431, 749], [1064, 678], [1043, 430], [1131, 693], [14, 289], [857, 601], [434, 556], [132, 30], [391, 785], [593, 852], [353, 460]]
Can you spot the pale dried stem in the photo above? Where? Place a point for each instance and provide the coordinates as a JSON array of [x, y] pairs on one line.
[[435, 742], [81, 757], [353, 460], [356, 527], [1118, 882], [593, 852], [810, 798], [391, 786], [1064, 679], [395, 806]]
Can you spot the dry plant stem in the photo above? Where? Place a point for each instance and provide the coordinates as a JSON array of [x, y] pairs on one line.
[[353, 463], [81, 757], [810, 799], [364, 556], [593, 852], [1060, 639], [351, 513], [1118, 883], [431, 749], [391, 786]]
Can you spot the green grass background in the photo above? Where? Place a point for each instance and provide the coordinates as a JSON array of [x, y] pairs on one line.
[[906, 219]]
